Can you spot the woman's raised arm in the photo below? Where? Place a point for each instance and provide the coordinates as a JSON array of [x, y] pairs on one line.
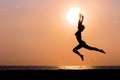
[[81, 18]]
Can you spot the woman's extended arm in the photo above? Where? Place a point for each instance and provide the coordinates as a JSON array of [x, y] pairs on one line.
[[81, 18]]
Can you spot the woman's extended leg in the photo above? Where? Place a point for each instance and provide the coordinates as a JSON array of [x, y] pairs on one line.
[[93, 48], [75, 51]]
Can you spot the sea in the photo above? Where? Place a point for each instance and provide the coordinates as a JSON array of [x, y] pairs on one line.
[[3, 68], [60, 72]]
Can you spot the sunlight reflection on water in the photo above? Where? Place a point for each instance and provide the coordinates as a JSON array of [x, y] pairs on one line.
[[88, 67], [57, 67], [76, 67]]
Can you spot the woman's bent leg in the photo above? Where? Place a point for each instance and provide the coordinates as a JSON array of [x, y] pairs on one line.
[[75, 51]]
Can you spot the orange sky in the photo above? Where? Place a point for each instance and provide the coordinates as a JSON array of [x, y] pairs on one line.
[[36, 32]]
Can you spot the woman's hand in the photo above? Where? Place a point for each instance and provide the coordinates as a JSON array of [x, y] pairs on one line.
[[80, 15]]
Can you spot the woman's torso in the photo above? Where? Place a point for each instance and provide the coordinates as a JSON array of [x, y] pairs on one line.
[[78, 36]]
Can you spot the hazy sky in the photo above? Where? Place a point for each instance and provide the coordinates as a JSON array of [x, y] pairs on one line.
[[36, 32]]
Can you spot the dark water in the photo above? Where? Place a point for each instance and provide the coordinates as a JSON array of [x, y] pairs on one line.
[[57, 67]]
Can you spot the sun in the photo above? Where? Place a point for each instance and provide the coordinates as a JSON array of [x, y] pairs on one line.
[[73, 15]]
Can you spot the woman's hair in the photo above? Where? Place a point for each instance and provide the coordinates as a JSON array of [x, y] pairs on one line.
[[81, 27]]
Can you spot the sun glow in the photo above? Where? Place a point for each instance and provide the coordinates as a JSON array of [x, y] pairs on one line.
[[73, 15]]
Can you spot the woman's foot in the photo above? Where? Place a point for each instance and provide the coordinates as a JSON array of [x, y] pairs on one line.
[[82, 57], [102, 51]]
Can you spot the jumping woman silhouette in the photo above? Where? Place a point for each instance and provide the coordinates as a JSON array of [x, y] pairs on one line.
[[82, 43]]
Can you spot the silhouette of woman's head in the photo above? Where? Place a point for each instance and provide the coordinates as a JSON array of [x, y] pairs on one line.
[[81, 28]]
